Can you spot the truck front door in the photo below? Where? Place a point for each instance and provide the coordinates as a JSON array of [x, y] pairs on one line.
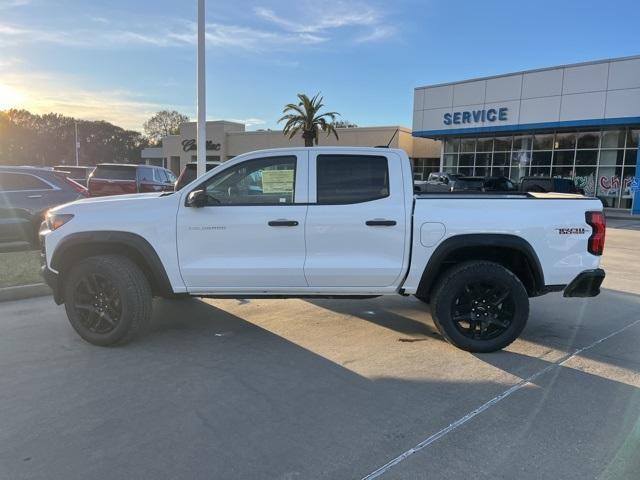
[[250, 234]]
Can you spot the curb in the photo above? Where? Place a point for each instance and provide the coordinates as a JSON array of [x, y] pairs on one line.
[[24, 291]]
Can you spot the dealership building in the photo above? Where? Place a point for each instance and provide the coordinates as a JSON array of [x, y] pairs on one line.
[[227, 139], [580, 121]]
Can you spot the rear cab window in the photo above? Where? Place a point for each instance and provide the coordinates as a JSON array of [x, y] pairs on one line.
[[345, 179], [115, 172]]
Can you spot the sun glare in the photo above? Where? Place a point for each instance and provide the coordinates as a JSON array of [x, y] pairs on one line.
[[10, 98]]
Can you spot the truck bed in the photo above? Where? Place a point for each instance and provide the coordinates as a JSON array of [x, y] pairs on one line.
[[502, 195]]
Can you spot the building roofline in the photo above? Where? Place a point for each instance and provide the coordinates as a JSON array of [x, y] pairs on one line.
[[340, 129], [534, 70]]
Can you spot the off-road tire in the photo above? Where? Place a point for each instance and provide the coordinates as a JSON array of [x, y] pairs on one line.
[[134, 298], [455, 281]]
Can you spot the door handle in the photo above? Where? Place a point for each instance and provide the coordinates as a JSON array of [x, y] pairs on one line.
[[283, 223], [34, 196], [380, 223]]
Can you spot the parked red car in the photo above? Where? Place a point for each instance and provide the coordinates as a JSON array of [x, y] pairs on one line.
[[118, 179]]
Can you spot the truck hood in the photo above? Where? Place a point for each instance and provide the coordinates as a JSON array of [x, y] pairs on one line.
[[112, 202]]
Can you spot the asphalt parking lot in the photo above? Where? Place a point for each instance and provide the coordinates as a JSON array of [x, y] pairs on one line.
[[293, 389]]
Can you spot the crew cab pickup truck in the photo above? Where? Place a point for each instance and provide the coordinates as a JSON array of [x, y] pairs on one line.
[[322, 222]]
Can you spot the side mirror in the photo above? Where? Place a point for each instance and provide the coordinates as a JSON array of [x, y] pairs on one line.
[[197, 199]]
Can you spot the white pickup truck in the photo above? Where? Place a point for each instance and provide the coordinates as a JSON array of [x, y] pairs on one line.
[[322, 222]]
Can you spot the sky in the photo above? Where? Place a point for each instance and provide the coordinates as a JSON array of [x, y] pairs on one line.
[[121, 61]]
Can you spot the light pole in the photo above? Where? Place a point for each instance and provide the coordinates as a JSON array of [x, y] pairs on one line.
[[201, 134], [77, 143]]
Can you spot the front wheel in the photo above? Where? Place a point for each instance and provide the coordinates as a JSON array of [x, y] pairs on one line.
[[480, 306], [107, 299]]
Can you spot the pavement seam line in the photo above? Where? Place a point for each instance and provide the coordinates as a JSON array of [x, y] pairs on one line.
[[521, 384]]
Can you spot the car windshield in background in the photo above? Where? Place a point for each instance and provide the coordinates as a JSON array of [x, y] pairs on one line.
[[115, 172]]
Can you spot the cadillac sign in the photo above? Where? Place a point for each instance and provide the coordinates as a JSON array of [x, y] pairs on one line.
[[188, 145]]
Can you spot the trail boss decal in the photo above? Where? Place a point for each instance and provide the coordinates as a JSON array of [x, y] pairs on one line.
[[571, 231]]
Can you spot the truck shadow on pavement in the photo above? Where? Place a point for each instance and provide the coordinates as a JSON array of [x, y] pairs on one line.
[[210, 394]]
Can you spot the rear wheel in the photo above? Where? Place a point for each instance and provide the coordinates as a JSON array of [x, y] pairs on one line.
[[480, 306], [107, 299]]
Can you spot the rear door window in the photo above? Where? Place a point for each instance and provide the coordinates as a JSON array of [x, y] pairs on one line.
[[15, 182], [145, 174], [159, 175], [343, 179], [115, 172]]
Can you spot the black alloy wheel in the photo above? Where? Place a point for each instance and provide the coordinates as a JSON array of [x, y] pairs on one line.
[[482, 310], [98, 303], [480, 306], [107, 299]]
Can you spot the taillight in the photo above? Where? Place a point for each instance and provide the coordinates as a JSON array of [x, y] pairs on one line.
[[595, 244]]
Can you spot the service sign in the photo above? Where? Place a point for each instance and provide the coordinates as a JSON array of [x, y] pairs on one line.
[[463, 117]]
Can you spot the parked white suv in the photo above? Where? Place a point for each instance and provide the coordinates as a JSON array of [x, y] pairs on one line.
[[322, 222]]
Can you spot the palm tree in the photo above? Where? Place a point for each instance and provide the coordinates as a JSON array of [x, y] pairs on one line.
[[305, 117]]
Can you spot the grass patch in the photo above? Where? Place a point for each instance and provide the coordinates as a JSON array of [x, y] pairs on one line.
[[20, 268]]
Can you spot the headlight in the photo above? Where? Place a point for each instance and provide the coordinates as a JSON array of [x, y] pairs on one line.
[[56, 220]]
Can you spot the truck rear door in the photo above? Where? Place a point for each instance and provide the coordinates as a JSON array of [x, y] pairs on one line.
[[355, 228]]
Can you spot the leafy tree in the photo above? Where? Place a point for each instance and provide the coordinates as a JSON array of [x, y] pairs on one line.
[[49, 139], [163, 123], [305, 117]]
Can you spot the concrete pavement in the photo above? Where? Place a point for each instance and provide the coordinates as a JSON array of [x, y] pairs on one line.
[[287, 389]]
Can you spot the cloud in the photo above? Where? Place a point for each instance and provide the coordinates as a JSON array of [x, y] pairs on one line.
[[249, 122], [366, 19], [218, 35], [4, 4], [364, 23], [340, 15], [378, 34], [42, 93]]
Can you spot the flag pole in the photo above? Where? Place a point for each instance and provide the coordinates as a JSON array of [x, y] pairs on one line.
[[201, 134]]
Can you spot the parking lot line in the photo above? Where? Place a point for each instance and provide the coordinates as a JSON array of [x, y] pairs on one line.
[[485, 406]]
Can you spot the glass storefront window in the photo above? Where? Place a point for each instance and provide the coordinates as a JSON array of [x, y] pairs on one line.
[[500, 159], [629, 181], [585, 178], [452, 145], [500, 171], [601, 162], [613, 139], [468, 145], [466, 159], [483, 159], [541, 171], [563, 158], [588, 139], [631, 157], [523, 142], [503, 144], [543, 141], [450, 161], [586, 157], [518, 171], [564, 172], [484, 144], [541, 158], [608, 186], [522, 158], [565, 141], [611, 157]]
